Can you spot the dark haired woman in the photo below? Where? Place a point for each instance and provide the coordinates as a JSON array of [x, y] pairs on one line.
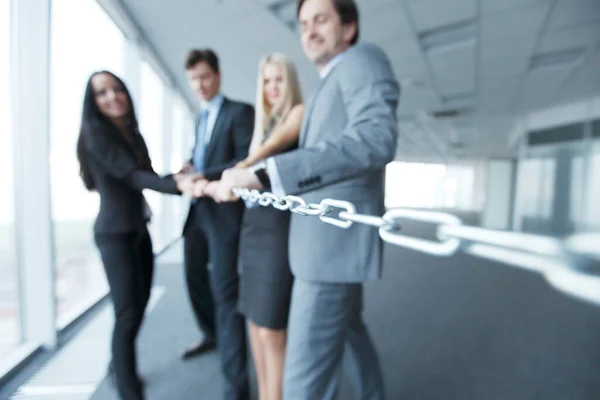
[[114, 161]]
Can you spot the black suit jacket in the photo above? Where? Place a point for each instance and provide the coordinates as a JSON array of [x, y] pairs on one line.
[[121, 170], [229, 144]]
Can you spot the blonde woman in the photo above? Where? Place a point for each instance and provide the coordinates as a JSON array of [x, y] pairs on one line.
[[279, 109], [266, 279]]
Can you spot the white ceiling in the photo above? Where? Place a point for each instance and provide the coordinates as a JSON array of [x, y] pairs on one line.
[[482, 65]]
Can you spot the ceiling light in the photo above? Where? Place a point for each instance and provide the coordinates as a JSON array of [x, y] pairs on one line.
[[284, 10], [275, 3], [413, 83], [458, 99], [557, 59], [460, 34], [287, 13]]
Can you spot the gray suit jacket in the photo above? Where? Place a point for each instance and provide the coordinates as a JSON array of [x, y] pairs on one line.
[[348, 135]]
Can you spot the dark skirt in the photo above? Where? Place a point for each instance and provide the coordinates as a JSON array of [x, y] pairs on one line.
[[265, 276]]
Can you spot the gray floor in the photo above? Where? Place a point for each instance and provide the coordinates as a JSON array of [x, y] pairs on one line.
[[454, 328]]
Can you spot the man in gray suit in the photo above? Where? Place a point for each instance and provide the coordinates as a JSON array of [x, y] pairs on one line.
[[348, 135]]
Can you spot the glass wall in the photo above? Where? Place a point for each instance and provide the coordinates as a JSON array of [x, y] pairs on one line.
[[42, 291], [576, 205], [419, 185], [180, 132], [10, 329], [556, 194], [592, 193], [536, 193], [83, 40], [178, 129]]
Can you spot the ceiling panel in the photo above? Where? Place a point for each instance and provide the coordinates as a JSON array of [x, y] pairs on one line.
[[540, 88], [492, 72], [574, 12], [429, 14], [452, 58], [410, 67], [506, 45], [467, 69], [384, 23], [509, 31], [506, 56], [400, 48], [369, 5], [514, 22], [505, 49], [561, 39], [200, 7], [413, 100], [585, 81], [262, 25], [491, 6], [226, 8], [495, 95], [455, 83]]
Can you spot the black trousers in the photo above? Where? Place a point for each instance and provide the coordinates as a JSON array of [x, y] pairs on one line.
[[129, 264], [214, 297]]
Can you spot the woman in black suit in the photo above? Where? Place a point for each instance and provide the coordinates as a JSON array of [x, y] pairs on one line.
[[114, 161]]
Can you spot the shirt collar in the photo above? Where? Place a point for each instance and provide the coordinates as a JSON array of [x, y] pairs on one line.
[[331, 64], [214, 104]]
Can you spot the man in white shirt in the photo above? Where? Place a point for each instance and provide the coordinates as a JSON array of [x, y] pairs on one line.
[[223, 131]]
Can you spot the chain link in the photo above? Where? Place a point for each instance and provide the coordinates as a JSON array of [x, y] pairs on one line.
[[571, 265]]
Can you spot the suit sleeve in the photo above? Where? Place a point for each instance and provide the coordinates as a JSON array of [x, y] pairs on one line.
[[120, 165], [243, 126], [370, 94]]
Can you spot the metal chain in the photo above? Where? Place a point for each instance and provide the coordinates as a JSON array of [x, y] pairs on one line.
[[571, 265]]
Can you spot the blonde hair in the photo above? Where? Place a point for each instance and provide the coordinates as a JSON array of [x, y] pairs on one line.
[[291, 96]]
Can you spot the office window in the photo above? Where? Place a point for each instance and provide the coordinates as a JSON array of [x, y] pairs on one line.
[[419, 185], [458, 187], [596, 128], [182, 140], [577, 190], [422, 179], [10, 327], [177, 157], [592, 191], [150, 116], [547, 189], [83, 40], [177, 136], [150, 113], [535, 194]]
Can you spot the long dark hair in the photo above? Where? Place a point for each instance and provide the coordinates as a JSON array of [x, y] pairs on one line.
[[93, 121]]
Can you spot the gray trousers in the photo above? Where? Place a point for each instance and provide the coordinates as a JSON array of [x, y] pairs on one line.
[[324, 319]]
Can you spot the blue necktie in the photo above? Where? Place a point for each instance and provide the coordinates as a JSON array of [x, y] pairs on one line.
[[200, 149]]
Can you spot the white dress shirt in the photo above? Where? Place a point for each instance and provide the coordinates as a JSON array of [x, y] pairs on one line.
[[213, 106]]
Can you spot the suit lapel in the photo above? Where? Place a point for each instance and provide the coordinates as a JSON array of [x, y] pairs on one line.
[[217, 128], [308, 112], [310, 107]]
